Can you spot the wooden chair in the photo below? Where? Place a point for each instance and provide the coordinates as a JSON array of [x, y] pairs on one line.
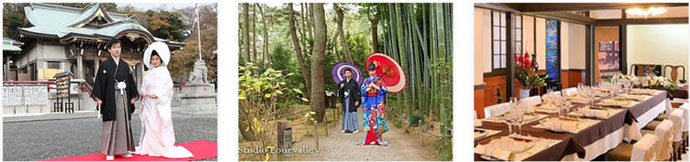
[[676, 130], [674, 73], [645, 70], [569, 91], [531, 100], [558, 93], [663, 147], [686, 111], [640, 151], [496, 109]]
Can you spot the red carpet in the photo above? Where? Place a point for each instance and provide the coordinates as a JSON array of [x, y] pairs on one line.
[[200, 149]]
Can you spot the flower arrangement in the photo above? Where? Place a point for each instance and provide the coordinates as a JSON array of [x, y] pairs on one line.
[[526, 72], [654, 82]]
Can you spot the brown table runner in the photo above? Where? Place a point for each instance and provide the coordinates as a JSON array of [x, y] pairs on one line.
[[575, 143]]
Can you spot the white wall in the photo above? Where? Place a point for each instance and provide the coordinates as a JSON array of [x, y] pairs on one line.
[[577, 44], [565, 45], [52, 51], [658, 44], [528, 34], [482, 44]]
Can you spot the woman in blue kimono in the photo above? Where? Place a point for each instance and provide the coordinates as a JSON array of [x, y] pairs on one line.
[[373, 95]]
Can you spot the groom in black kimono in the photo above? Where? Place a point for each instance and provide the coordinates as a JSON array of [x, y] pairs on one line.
[[350, 96], [115, 92]]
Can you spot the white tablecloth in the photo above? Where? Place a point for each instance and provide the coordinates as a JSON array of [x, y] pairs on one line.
[[612, 140]]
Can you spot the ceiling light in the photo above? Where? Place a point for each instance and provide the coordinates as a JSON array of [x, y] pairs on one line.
[[652, 11]]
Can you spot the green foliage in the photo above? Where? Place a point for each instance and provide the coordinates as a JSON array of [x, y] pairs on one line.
[[445, 69], [12, 17], [414, 120], [281, 58], [264, 87], [259, 94], [360, 48], [166, 25], [444, 149]]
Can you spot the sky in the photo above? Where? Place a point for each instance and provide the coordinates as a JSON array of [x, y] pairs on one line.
[[166, 6]]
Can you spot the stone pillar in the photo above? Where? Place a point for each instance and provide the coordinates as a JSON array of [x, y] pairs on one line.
[[96, 63], [8, 76], [80, 65]]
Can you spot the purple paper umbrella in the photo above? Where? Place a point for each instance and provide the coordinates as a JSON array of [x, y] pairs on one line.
[[338, 72]]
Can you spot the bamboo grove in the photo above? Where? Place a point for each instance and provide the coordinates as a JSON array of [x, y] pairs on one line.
[[419, 36]]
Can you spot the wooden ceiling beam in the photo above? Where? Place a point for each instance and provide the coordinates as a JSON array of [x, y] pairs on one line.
[[562, 16], [495, 6], [683, 20], [553, 7]]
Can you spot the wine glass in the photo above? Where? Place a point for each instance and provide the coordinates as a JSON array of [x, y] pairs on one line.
[[587, 94], [566, 104], [519, 118], [561, 105], [548, 98], [628, 86]]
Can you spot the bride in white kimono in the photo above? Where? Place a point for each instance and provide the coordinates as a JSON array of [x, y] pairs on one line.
[[157, 133]]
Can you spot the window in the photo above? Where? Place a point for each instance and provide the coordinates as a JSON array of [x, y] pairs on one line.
[[498, 40], [52, 64], [518, 34]]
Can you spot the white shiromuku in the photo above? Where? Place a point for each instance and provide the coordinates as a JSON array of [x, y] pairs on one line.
[[157, 133]]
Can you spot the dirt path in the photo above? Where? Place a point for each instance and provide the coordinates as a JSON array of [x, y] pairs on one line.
[[347, 146]]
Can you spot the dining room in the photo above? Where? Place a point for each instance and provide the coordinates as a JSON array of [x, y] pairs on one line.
[[581, 81]]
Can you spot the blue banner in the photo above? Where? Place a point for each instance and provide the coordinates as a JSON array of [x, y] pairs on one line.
[[552, 49]]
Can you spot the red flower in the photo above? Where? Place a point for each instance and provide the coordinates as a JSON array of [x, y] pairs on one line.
[[526, 59]]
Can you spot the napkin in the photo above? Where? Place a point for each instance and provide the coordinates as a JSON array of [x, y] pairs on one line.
[[556, 125], [601, 114], [494, 152]]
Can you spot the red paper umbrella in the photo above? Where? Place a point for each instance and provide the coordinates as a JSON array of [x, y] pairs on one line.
[[390, 72]]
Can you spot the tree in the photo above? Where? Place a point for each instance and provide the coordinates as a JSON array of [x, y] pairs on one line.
[[298, 49], [182, 61], [245, 33], [310, 20], [165, 25], [267, 58], [373, 15], [12, 17], [254, 54], [318, 53], [343, 40], [302, 28]]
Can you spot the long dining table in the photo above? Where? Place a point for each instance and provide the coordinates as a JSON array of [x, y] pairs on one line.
[[589, 142]]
